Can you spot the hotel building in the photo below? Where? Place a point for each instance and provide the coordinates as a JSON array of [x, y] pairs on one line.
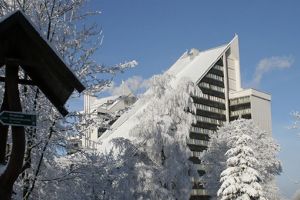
[[219, 98]]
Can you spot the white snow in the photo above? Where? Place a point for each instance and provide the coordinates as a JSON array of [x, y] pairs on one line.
[[240, 179], [2, 168], [120, 128], [259, 155], [100, 102], [195, 67]]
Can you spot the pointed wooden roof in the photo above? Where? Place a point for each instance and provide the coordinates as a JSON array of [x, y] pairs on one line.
[[23, 45]]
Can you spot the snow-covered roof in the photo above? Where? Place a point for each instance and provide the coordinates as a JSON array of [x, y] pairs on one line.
[[192, 64], [104, 102], [107, 103], [126, 121], [250, 92], [95, 103]]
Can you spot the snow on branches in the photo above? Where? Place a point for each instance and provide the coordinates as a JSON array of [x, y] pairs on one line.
[[64, 25], [263, 146], [93, 175], [240, 180], [162, 131], [151, 164]]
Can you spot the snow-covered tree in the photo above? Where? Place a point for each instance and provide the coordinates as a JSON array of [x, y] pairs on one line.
[[240, 180], [127, 174], [64, 24], [162, 132], [152, 165], [296, 124], [297, 195], [263, 146]]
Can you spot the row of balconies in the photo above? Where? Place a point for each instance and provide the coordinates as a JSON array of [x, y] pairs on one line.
[[199, 192], [215, 77], [240, 100], [209, 120], [197, 142], [240, 112], [218, 67], [211, 87], [200, 94], [202, 130], [209, 108]]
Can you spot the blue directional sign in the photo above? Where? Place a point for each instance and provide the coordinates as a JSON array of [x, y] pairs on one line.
[[17, 118]]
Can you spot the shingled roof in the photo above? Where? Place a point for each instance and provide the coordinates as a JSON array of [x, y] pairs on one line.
[[22, 44]]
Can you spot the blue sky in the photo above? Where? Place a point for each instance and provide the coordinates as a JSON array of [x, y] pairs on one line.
[[156, 33]]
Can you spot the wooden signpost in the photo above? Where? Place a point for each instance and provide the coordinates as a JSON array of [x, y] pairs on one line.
[[23, 47], [17, 119]]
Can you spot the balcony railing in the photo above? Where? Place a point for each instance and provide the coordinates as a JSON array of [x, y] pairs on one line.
[[202, 130], [240, 100], [197, 142], [209, 120], [199, 192], [209, 108], [240, 112]]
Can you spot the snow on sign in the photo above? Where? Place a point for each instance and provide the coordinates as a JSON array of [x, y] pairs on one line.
[[17, 118]]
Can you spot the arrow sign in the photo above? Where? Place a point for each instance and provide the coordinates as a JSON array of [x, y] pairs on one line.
[[17, 118]]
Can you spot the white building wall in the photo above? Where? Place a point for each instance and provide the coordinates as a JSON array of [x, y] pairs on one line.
[[231, 74], [260, 107], [233, 65], [94, 134], [261, 112], [88, 103]]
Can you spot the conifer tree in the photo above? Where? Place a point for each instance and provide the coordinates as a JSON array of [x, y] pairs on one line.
[[240, 180]]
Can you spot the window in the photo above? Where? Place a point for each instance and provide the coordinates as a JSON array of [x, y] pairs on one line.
[[101, 130]]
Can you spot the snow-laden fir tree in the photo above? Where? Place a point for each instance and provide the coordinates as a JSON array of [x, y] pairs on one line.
[[263, 146], [161, 134], [240, 180]]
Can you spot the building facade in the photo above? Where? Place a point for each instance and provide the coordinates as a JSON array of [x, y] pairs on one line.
[[106, 110], [218, 98]]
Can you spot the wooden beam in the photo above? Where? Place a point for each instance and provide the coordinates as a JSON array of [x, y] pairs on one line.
[[3, 132], [20, 81], [16, 62]]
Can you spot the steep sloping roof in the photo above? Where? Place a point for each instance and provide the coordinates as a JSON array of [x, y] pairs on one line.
[[126, 122], [192, 64], [102, 101]]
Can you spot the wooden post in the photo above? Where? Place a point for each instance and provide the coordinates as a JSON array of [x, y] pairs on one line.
[[15, 163], [3, 132]]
